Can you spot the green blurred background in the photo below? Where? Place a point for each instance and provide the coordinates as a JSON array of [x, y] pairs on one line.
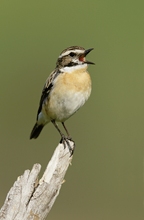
[[105, 181]]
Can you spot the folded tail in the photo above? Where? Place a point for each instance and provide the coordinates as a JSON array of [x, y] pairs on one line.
[[36, 131]]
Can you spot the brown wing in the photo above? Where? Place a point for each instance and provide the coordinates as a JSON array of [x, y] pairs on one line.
[[47, 89]]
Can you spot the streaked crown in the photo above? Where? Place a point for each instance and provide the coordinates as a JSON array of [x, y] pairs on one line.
[[73, 56]]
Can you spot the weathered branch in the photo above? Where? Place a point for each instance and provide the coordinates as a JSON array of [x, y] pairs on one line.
[[32, 199]]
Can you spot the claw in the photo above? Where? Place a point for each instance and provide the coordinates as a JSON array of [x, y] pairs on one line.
[[66, 143]]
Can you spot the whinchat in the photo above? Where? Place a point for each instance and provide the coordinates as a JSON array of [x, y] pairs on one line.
[[66, 89]]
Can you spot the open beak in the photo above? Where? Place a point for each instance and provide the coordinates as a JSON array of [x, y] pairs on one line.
[[86, 53]]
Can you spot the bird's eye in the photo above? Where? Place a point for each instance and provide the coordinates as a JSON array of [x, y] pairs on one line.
[[72, 54]]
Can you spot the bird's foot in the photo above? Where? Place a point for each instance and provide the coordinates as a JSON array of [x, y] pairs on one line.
[[65, 140], [70, 138]]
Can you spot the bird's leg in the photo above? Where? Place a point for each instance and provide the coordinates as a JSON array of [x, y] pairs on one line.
[[54, 123], [69, 138], [64, 139], [66, 131]]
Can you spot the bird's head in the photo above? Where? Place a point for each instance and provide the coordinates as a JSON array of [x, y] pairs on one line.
[[73, 57]]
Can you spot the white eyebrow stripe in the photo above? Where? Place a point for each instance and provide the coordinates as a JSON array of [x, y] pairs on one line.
[[69, 51]]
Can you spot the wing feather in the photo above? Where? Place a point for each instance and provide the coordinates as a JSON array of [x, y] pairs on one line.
[[47, 89]]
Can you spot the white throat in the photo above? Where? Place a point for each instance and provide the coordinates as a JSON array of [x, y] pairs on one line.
[[70, 69]]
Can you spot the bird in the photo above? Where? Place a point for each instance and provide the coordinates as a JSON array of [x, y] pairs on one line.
[[66, 89]]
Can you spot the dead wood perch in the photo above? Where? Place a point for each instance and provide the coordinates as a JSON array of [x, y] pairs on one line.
[[32, 199]]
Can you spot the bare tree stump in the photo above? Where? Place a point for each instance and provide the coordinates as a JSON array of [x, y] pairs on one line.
[[32, 199]]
